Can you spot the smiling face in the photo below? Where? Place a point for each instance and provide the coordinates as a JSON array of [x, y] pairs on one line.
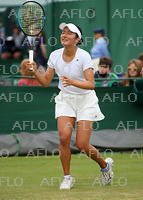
[[133, 70], [68, 38]]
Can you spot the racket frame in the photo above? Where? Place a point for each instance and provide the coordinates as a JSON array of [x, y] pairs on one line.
[[35, 35]]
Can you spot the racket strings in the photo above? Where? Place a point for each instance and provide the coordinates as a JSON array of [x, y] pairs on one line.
[[32, 22], [31, 18]]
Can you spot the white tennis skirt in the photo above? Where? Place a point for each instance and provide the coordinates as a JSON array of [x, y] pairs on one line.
[[80, 106]]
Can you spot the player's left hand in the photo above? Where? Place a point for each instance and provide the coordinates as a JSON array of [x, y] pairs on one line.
[[67, 81]]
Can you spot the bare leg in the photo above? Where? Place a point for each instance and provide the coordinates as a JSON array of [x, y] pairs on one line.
[[65, 126], [84, 129]]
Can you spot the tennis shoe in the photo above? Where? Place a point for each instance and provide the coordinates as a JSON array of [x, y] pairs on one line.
[[67, 183], [107, 175]]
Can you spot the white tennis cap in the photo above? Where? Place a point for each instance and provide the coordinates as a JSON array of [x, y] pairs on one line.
[[72, 28]]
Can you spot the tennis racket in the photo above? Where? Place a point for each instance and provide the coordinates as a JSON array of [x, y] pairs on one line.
[[31, 19]]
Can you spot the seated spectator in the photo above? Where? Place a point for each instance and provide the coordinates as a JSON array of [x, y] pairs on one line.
[[2, 33], [104, 67], [13, 45], [141, 59], [134, 70], [25, 72], [41, 51], [0, 50]]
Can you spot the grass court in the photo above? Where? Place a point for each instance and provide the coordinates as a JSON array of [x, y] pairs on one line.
[[38, 178]]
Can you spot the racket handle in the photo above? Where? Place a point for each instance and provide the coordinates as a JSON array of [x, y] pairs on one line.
[[31, 58]]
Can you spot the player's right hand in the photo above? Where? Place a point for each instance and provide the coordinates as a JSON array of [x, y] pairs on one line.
[[30, 65]]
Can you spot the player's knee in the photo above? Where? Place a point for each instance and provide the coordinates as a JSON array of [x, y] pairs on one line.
[[82, 146], [64, 140]]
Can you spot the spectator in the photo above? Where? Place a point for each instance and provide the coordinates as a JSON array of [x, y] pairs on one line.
[[18, 36], [25, 72], [100, 48], [105, 67], [0, 49], [2, 33], [134, 70], [41, 52], [13, 44], [141, 59]]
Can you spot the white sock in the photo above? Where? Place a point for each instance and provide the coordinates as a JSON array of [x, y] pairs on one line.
[[67, 176]]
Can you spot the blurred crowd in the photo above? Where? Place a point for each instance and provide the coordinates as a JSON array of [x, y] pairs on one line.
[[15, 45], [103, 64]]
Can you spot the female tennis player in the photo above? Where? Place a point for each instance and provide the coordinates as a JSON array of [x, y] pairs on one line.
[[76, 102]]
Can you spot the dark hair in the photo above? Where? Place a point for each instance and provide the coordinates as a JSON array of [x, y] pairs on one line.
[[42, 34], [106, 61], [140, 57], [16, 27], [81, 40]]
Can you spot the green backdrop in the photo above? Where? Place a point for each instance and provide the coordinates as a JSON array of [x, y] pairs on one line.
[[32, 109], [122, 21]]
